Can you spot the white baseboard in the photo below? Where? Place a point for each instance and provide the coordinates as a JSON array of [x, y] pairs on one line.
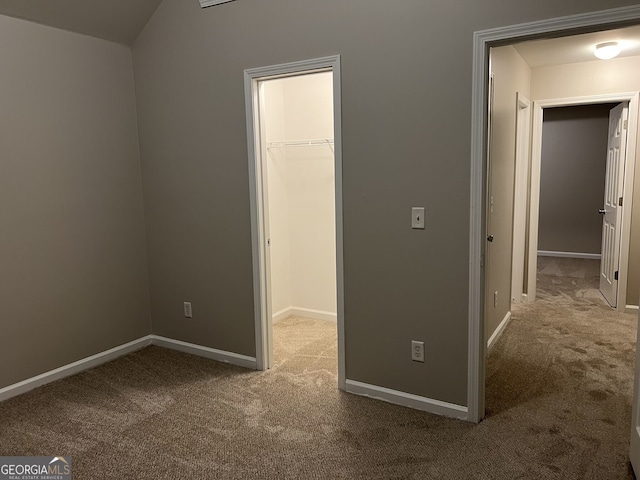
[[304, 312], [548, 253], [212, 353], [407, 400], [496, 335], [631, 308], [73, 368], [109, 355], [281, 315]]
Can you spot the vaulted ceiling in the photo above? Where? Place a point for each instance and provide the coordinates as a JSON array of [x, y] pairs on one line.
[[116, 20], [122, 21]]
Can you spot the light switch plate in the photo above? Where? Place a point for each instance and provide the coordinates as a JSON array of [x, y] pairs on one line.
[[417, 218]]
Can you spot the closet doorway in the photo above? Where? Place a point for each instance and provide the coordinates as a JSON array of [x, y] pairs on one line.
[[293, 125]]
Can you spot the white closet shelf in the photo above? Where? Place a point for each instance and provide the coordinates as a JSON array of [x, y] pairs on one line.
[[318, 142]]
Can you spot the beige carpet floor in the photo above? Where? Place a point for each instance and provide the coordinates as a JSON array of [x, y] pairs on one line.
[[558, 402]]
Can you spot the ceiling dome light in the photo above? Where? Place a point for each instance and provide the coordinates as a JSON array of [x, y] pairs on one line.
[[607, 50]]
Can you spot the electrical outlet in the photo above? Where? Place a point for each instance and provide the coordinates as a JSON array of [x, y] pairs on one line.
[[417, 351], [187, 310]]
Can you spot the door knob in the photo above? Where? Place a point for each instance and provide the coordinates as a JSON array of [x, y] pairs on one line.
[[602, 211], [490, 238]]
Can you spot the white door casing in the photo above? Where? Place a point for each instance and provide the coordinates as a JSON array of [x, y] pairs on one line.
[[612, 210], [263, 171], [520, 200]]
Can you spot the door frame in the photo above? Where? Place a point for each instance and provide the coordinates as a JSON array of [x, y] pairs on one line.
[[520, 198], [482, 42], [629, 175], [259, 213]]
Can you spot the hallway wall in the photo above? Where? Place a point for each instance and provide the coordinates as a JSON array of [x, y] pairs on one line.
[[511, 75], [572, 178]]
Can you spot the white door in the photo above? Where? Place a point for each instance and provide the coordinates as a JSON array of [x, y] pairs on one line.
[[634, 447], [612, 211]]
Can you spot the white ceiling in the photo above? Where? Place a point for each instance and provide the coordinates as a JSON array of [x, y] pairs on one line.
[[577, 48], [116, 20]]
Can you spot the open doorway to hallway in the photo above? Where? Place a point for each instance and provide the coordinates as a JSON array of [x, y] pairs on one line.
[[568, 354], [520, 72]]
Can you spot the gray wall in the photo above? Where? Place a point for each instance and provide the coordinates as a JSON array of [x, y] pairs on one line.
[[572, 173], [511, 75], [73, 276], [406, 123]]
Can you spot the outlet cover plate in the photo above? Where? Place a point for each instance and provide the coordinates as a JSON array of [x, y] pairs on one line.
[[417, 351]]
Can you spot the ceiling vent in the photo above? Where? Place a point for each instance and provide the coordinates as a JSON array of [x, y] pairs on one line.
[[211, 3]]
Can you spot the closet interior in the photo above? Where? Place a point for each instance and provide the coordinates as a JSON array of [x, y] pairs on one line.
[[298, 150]]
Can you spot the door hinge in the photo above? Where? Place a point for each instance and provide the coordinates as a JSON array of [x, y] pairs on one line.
[[268, 242], [620, 201], [626, 124], [615, 275]]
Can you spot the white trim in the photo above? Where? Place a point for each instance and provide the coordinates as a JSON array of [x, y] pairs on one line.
[[281, 315], [482, 41], [629, 174], [534, 202], [73, 368], [257, 234], [304, 312], [211, 3], [316, 314], [520, 196], [263, 204], [260, 278], [551, 253], [627, 193], [109, 355], [632, 309], [477, 228], [207, 352], [496, 335], [407, 400]]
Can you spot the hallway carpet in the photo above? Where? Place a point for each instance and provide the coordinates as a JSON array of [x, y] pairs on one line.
[[558, 403]]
